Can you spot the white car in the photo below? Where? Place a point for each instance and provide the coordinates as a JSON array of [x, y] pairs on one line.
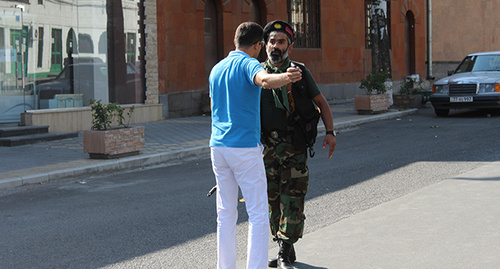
[[475, 84]]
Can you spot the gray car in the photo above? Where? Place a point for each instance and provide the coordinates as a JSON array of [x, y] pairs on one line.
[[474, 84]]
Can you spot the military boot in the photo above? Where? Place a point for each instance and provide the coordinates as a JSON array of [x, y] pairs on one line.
[[284, 255], [274, 262]]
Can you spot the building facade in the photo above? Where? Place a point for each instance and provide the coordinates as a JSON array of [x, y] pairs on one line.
[[477, 30], [57, 55], [333, 40]]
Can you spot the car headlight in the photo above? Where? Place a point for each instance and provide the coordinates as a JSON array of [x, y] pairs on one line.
[[443, 89], [486, 87]]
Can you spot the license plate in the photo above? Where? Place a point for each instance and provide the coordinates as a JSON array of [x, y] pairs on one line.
[[461, 99]]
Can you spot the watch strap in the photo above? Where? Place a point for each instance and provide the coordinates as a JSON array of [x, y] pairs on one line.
[[332, 133]]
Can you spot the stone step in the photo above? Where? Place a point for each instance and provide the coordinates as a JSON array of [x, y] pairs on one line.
[[19, 140], [23, 130]]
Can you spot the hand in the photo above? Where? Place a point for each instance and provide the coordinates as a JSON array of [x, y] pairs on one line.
[[294, 74], [331, 142]]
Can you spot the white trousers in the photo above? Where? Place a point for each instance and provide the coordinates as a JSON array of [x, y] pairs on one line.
[[243, 167]]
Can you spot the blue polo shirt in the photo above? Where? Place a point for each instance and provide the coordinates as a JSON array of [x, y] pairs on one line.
[[235, 101]]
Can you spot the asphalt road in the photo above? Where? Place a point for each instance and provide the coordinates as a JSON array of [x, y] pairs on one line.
[[160, 217]]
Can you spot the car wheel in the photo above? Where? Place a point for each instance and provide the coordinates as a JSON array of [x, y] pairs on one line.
[[442, 112]]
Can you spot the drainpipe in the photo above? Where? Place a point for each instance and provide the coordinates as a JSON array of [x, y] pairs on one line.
[[429, 40]]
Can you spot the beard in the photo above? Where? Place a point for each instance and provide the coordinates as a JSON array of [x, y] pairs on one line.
[[277, 56]]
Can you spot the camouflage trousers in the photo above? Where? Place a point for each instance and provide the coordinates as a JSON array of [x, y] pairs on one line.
[[287, 181]]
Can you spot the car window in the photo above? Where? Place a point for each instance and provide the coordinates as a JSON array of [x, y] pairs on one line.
[[466, 65], [482, 64], [494, 62], [91, 72], [479, 63]]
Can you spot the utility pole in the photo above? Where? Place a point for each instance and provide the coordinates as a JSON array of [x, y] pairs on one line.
[[429, 40]]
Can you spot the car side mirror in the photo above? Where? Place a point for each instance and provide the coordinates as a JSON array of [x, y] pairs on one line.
[[450, 72]]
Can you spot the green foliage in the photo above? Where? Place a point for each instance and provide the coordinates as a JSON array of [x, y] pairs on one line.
[[103, 114], [375, 81], [410, 86]]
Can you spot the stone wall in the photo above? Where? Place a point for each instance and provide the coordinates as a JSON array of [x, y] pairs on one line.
[[114, 142], [375, 103], [152, 94], [340, 90], [379, 102], [440, 68]]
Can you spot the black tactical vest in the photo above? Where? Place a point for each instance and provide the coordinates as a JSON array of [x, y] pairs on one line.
[[305, 117]]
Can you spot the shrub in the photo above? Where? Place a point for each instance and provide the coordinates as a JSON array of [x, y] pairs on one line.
[[410, 86], [375, 81], [103, 114]]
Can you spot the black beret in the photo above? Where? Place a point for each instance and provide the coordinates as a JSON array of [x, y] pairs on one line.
[[279, 26]]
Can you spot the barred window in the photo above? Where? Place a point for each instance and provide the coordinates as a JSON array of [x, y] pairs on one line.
[[304, 16], [373, 9]]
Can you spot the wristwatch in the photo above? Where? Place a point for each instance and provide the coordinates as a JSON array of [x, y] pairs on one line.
[[332, 133]]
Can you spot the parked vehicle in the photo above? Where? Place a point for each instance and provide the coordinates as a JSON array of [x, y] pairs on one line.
[[474, 84], [88, 78]]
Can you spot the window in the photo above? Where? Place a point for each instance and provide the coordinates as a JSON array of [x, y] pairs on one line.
[[85, 43], [130, 48], [36, 47], [381, 10], [40, 47], [304, 16]]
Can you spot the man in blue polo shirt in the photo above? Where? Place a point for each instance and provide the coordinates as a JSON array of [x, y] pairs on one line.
[[236, 150]]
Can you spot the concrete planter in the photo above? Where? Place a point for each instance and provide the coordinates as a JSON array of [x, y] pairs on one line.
[[407, 100], [113, 143], [372, 104]]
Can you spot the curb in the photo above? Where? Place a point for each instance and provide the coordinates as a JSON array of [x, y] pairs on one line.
[[106, 166], [93, 167], [356, 122]]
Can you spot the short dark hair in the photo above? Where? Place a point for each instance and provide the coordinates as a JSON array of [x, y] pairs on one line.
[[247, 34]]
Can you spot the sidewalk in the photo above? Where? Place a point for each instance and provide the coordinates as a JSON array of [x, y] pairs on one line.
[[166, 141], [452, 224]]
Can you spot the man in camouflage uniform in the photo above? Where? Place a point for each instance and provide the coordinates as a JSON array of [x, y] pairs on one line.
[[285, 160]]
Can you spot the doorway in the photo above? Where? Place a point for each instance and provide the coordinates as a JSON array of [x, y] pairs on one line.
[[56, 52], [19, 41]]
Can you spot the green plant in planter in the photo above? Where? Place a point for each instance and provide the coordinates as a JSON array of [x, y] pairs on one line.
[[103, 114], [410, 86], [374, 83]]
